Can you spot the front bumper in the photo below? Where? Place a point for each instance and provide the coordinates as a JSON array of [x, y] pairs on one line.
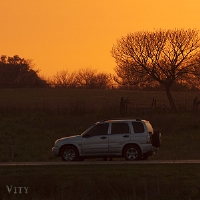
[[55, 151]]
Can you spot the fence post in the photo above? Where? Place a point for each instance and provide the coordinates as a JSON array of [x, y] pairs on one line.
[[153, 104], [124, 106]]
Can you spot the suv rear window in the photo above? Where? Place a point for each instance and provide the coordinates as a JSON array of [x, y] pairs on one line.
[[138, 127], [120, 128]]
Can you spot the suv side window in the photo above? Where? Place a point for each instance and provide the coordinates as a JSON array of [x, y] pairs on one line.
[[99, 129], [138, 127], [120, 128]]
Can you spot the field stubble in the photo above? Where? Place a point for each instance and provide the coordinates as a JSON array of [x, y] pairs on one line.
[[110, 182], [32, 119]]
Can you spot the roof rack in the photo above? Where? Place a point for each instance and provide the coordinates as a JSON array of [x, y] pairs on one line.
[[103, 120]]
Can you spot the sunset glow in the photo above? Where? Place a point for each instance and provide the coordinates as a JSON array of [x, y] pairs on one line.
[[74, 34]]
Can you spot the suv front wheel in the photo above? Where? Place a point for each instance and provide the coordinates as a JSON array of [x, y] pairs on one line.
[[132, 152], [69, 153]]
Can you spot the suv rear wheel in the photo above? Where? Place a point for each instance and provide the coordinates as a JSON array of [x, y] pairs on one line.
[[132, 152], [69, 153]]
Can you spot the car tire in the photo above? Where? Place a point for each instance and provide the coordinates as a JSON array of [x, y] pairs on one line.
[[132, 152], [156, 139], [69, 153]]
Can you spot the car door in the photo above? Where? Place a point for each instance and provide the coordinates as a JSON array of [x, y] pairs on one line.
[[95, 141], [119, 135]]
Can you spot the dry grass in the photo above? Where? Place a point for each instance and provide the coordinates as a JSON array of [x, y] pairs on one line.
[[32, 119], [58, 101], [88, 182]]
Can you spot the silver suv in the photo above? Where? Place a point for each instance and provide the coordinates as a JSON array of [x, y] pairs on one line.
[[133, 139]]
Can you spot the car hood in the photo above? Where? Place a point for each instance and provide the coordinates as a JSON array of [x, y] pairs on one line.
[[70, 139]]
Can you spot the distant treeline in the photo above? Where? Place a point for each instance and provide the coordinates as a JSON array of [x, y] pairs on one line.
[[16, 72]]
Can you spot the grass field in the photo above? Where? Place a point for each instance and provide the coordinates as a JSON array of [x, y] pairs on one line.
[[32, 119], [83, 101], [109, 182]]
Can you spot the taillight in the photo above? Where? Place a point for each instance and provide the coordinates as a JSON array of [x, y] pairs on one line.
[[149, 138]]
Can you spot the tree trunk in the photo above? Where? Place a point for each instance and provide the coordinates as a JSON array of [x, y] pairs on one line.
[[170, 98]]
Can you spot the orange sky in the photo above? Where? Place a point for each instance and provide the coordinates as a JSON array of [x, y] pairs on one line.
[[74, 34]]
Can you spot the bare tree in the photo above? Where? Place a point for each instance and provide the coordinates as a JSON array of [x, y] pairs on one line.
[[159, 57], [84, 78], [89, 78], [103, 80], [64, 79]]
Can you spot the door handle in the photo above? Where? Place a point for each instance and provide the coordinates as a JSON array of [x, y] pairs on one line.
[[125, 136], [103, 137]]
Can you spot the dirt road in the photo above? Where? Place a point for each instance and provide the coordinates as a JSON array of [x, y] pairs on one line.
[[99, 162]]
